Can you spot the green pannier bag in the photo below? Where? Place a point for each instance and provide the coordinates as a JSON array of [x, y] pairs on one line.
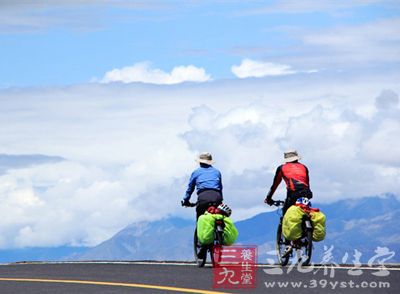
[[230, 232], [291, 224], [318, 220], [205, 229]]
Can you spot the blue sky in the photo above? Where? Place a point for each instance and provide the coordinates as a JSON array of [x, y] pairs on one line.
[[103, 107], [76, 41]]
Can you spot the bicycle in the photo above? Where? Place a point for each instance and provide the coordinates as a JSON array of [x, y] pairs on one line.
[[303, 246], [204, 249]]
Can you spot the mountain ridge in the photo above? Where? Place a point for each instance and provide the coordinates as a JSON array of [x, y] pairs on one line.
[[353, 224], [349, 224]]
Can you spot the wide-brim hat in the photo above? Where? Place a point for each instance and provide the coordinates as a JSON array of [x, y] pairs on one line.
[[206, 158], [291, 155]]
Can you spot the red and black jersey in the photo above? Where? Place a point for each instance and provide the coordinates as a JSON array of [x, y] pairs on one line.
[[295, 176]]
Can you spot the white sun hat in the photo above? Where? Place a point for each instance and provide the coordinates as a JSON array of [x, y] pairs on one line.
[[206, 158], [291, 155]]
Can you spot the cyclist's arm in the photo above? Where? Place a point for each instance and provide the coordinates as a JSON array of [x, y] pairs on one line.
[[310, 195], [220, 185], [220, 182], [191, 186], [276, 182]]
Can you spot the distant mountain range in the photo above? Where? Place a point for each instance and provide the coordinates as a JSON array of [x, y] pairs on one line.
[[359, 224], [356, 224], [40, 253]]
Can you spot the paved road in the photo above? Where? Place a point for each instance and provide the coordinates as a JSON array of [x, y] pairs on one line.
[[186, 278]]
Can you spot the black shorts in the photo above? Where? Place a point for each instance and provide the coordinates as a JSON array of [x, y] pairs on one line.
[[292, 197], [207, 198]]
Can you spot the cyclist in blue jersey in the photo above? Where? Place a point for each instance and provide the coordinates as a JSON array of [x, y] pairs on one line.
[[208, 182]]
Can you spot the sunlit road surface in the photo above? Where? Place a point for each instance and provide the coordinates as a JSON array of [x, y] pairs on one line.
[[137, 277]]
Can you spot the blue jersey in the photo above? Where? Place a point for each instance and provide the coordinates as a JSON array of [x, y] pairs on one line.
[[204, 178]]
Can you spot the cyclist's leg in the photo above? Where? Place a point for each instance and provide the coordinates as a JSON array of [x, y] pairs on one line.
[[201, 207], [204, 200], [290, 200]]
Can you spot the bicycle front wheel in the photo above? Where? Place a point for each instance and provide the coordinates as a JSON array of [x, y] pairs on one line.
[[283, 256], [197, 248]]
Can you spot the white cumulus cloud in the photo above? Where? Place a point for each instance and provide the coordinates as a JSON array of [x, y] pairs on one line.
[[143, 72], [251, 68], [347, 153]]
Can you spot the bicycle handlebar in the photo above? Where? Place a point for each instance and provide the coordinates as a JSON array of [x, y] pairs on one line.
[[278, 203], [190, 204]]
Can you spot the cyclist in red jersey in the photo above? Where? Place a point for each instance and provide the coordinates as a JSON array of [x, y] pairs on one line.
[[295, 175]]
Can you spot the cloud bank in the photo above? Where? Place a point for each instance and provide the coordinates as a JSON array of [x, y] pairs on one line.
[[82, 15], [142, 72], [309, 6], [127, 158]]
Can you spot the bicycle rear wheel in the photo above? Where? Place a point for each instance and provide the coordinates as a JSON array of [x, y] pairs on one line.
[[197, 248], [283, 256]]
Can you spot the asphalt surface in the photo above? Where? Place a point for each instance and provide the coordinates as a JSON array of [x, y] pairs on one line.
[[187, 278]]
